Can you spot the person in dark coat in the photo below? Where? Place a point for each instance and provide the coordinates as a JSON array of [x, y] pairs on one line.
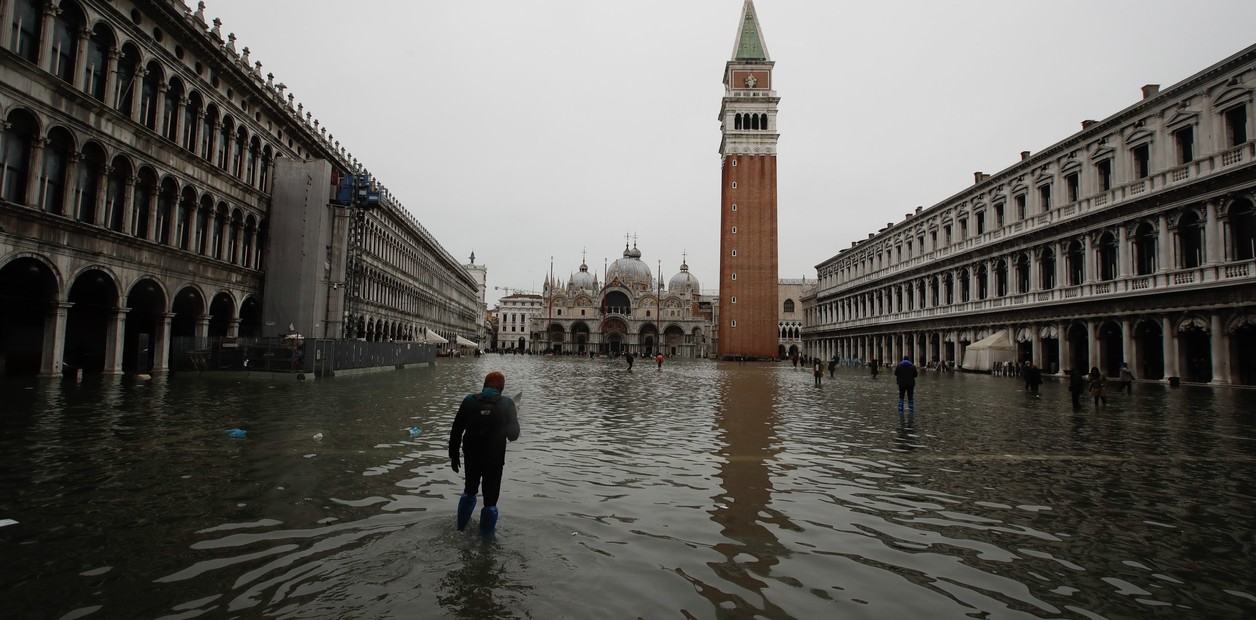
[[832, 366], [873, 363], [817, 370], [905, 375], [1076, 385], [484, 423], [1033, 377]]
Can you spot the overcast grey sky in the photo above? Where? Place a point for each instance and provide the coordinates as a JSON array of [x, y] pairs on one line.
[[525, 129]]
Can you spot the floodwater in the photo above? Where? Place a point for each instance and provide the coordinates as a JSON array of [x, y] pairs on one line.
[[704, 490]]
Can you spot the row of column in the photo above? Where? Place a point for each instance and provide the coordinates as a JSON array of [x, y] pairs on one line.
[[891, 346], [53, 356]]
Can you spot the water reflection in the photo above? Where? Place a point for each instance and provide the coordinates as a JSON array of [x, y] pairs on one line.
[[704, 490]]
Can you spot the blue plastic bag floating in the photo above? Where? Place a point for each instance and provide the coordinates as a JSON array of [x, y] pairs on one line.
[[414, 431], [237, 433]]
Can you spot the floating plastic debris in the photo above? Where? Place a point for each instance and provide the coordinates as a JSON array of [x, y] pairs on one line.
[[7, 522], [238, 433], [414, 431], [318, 436]]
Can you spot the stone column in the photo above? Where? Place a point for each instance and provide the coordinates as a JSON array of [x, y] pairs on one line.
[[1088, 262], [1032, 285], [51, 11], [137, 95], [80, 56], [1061, 265], [1212, 236], [34, 170], [1066, 357], [1220, 352], [1092, 344], [1124, 251], [150, 222], [102, 188], [161, 344], [53, 356], [111, 69], [1035, 335], [178, 120], [128, 201], [115, 338], [233, 329], [1170, 348], [1164, 245], [1127, 344], [6, 23]]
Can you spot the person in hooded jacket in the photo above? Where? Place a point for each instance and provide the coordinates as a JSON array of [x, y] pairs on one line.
[[905, 375], [484, 423]]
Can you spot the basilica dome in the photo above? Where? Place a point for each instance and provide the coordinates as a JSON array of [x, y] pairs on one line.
[[630, 270], [583, 279], [683, 282]]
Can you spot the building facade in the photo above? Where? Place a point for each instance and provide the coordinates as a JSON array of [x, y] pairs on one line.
[[145, 164], [517, 316], [1132, 241], [630, 312], [790, 295], [748, 223]]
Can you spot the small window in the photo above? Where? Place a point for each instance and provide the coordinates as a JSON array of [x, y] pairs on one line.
[[981, 222], [1142, 161], [1073, 185], [734, 252], [1021, 210], [1044, 197], [1236, 125], [734, 163], [734, 299], [734, 184], [1104, 170], [560, 312], [1184, 139], [734, 206], [734, 230], [734, 323], [734, 276], [998, 215], [582, 312]]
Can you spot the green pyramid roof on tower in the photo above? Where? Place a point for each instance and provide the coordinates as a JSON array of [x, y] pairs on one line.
[[750, 45]]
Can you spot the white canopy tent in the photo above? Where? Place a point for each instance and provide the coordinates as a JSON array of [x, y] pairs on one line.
[[981, 356], [431, 337], [463, 342]]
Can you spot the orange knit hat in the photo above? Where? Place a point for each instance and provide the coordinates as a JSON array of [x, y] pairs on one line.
[[495, 380]]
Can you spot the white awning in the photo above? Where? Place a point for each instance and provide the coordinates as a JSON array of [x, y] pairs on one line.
[[431, 337], [463, 342]]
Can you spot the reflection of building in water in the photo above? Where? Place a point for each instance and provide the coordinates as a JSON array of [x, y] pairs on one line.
[[1132, 240], [628, 311], [746, 420]]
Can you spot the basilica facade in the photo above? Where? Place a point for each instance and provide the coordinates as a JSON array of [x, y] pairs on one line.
[[626, 311], [1131, 241]]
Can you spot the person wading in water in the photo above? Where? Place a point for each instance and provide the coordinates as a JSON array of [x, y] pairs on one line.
[[484, 423]]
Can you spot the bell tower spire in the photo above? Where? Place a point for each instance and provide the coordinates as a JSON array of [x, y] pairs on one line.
[[749, 315]]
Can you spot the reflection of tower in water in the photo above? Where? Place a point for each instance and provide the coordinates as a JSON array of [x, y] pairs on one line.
[[747, 420]]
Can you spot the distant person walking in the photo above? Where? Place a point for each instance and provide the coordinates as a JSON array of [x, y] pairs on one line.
[[659, 359], [817, 370], [1076, 385], [628, 356], [832, 366], [1098, 387], [1033, 377], [1127, 379], [872, 364], [905, 375]]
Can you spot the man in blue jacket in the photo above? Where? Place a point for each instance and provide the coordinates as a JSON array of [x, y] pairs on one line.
[[484, 423]]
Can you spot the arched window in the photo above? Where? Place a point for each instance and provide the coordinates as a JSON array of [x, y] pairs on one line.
[[115, 193], [141, 199], [204, 213], [124, 89], [264, 178], [250, 231], [149, 93], [983, 282], [1076, 263], [1022, 273], [737, 121], [1000, 278], [184, 220], [237, 158], [789, 305], [53, 176], [1046, 270], [1145, 239], [26, 28], [1107, 257], [192, 121], [18, 139], [65, 28], [224, 139], [1190, 241], [165, 212], [171, 101], [233, 237], [1242, 231], [95, 72], [219, 240], [87, 182], [250, 168], [209, 133]]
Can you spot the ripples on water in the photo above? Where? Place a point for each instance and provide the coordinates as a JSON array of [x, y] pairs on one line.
[[703, 491]]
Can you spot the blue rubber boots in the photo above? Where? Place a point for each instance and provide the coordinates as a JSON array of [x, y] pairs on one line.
[[488, 521], [466, 506]]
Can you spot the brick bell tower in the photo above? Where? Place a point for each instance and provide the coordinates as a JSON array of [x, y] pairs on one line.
[[748, 324]]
